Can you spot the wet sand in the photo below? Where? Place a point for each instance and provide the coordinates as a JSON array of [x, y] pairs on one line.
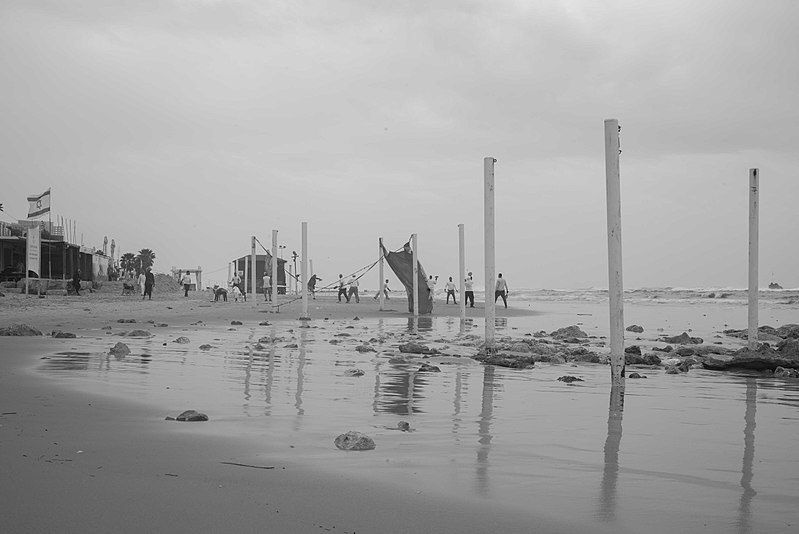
[[519, 453]]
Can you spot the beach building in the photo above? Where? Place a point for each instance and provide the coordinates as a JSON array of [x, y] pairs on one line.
[[263, 263]]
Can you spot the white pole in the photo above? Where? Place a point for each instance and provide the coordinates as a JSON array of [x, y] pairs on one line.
[[615, 287], [462, 270], [381, 295], [414, 256], [310, 261], [754, 187], [253, 293], [274, 269], [304, 269], [490, 267], [244, 280], [229, 273]]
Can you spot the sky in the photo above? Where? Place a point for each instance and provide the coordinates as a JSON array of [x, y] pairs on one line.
[[187, 126]]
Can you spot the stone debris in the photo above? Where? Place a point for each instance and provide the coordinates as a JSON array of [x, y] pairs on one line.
[[354, 441], [569, 379], [120, 349], [19, 330], [189, 415], [182, 340], [354, 372]]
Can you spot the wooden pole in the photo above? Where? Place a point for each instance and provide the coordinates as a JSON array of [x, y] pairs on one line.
[[304, 268], [462, 270], [381, 293], [414, 259], [253, 292], [615, 287], [490, 267], [274, 270], [754, 215]]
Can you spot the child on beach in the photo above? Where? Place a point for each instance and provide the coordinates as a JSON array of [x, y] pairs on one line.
[[385, 290]]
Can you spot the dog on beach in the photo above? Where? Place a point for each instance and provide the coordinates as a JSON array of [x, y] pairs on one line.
[[128, 289], [219, 292]]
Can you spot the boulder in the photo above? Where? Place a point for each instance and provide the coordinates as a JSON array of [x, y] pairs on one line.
[[786, 373], [651, 359], [138, 333], [354, 441], [63, 335], [569, 379], [192, 415], [633, 349], [569, 332], [236, 323], [365, 348], [182, 340], [120, 349], [126, 320], [765, 357], [19, 330], [354, 372], [205, 347], [405, 426], [416, 348], [683, 339], [788, 331], [507, 360], [667, 348], [426, 367], [635, 328], [635, 375]]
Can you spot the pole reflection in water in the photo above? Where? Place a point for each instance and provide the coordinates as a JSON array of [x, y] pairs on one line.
[[270, 376], [744, 510], [248, 376], [420, 324], [484, 430], [456, 411], [610, 475], [300, 376]]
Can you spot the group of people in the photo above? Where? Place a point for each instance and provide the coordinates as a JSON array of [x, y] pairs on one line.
[[500, 289]]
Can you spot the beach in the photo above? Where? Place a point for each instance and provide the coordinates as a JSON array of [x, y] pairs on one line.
[[86, 445]]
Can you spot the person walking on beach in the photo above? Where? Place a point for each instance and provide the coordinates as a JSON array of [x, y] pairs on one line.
[[149, 283], [267, 280], [141, 280], [469, 286], [353, 283], [342, 288], [431, 287], [238, 283], [501, 290], [450, 287], [76, 282], [385, 291], [312, 285], [186, 281]]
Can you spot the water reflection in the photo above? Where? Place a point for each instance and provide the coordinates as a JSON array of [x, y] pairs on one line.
[[610, 475], [300, 376], [68, 361], [420, 324], [744, 509], [400, 389], [484, 430]]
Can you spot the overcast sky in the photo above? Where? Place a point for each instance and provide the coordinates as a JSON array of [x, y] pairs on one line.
[[188, 126]]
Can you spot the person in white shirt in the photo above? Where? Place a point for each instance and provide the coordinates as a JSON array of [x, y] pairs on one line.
[[342, 288], [353, 284], [501, 290], [141, 279], [267, 280], [186, 281], [385, 290], [450, 287], [469, 285], [237, 282], [431, 286]]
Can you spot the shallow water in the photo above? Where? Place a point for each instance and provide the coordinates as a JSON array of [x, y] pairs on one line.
[[700, 451]]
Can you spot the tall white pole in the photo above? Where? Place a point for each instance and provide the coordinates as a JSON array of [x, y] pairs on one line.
[[253, 292], [229, 273], [414, 256], [304, 269], [274, 270], [381, 295], [490, 267], [244, 279], [615, 287], [754, 215], [462, 270], [310, 261]]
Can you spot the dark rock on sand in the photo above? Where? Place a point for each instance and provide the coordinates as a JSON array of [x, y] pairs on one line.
[[506, 360], [569, 332], [138, 333], [191, 415], [236, 323], [786, 373], [63, 335], [182, 340], [569, 379], [633, 349], [426, 367], [126, 320], [120, 349], [675, 369], [354, 441], [682, 339], [635, 375], [786, 355], [651, 359], [416, 348], [405, 426], [774, 285], [19, 330], [365, 348], [205, 347], [354, 372], [635, 328]]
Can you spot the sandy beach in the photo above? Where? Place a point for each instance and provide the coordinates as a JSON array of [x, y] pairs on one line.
[[82, 454]]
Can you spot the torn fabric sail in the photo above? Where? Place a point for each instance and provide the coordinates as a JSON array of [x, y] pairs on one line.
[[402, 264]]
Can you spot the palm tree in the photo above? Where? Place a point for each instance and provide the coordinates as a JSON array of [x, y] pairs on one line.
[[145, 259], [127, 262]]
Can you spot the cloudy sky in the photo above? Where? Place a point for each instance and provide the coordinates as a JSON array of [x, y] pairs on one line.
[[186, 126]]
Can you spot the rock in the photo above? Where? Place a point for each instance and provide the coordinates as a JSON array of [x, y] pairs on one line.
[[354, 372], [651, 359], [685, 351], [354, 441], [416, 348], [405, 426], [774, 285], [126, 320], [683, 339], [192, 415], [264, 323], [365, 348], [520, 347], [138, 333], [635, 375], [569, 379], [19, 330], [426, 367], [675, 369], [236, 323], [633, 349], [786, 356], [205, 347], [507, 360], [290, 346], [63, 335], [182, 340], [786, 373], [788, 331], [635, 328], [569, 332], [120, 349], [633, 359]]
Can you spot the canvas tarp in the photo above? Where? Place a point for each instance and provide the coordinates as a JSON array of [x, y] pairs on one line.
[[402, 264]]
